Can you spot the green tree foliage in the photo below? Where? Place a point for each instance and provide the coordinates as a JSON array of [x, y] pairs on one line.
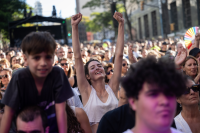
[[99, 21], [122, 6], [8, 11]]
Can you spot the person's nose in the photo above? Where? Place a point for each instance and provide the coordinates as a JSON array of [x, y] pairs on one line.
[[43, 62], [164, 100]]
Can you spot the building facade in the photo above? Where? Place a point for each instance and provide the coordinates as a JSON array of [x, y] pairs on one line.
[[183, 14]]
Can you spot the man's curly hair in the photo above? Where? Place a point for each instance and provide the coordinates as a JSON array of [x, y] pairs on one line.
[[161, 72]]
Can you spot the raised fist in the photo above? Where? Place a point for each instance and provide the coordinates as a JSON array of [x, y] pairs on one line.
[[119, 17], [75, 20]]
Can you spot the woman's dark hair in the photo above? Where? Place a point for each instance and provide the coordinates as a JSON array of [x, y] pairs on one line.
[[109, 65], [11, 60], [161, 72], [72, 122], [86, 68]]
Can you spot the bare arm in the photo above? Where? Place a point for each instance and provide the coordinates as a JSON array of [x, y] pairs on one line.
[[81, 80], [71, 81], [6, 119], [83, 120], [61, 117], [114, 81]]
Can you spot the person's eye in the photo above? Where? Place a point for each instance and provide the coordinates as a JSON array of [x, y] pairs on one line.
[[153, 94], [36, 57], [48, 57]]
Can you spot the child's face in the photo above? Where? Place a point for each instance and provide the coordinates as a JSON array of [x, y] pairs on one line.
[[40, 64]]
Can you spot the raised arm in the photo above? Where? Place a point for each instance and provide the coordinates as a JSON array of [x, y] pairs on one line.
[[81, 80], [114, 81], [131, 57]]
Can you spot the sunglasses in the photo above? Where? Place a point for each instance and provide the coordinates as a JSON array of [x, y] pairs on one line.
[[70, 52], [4, 76], [195, 88], [124, 64], [62, 64], [108, 73]]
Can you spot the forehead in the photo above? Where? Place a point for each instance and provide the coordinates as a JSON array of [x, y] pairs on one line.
[[190, 61], [36, 124], [190, 83], [3, 72], [93, 63]]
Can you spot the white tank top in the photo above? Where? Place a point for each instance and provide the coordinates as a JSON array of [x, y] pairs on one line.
[[95, 108]]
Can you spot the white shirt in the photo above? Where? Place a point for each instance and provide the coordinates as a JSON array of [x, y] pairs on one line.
[[181, 124], [173, 130]]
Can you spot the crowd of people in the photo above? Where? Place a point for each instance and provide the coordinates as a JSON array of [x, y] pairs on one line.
[[127, 87]]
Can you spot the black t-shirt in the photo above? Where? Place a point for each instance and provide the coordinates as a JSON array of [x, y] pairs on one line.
[[118, 120], [22, 92]]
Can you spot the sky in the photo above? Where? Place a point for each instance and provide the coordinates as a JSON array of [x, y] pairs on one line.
[[67, 7]]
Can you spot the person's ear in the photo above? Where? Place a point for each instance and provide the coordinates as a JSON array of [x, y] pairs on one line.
[[87, 77], [47, 130], [25, 57], [133, 103], [178, 100]]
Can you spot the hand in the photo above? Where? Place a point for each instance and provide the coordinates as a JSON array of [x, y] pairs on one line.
[[181, 56], [130, 48], [119, 17], [75, 20]]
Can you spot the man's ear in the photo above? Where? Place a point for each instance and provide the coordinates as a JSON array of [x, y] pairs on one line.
[[25, 57], [47, 130], [133, 103]]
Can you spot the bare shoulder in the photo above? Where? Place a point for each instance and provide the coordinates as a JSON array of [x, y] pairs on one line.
[[71, 81]]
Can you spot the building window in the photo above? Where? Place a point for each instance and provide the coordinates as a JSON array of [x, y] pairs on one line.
[[154, 23], [140, 28], [174, 16], [187, 13], [146, 26]]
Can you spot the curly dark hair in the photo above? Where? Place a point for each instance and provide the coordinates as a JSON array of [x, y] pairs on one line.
[[72, 122], [161, 72], [86, 68]]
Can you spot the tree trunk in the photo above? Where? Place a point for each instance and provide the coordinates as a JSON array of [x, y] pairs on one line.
[[128, 21]]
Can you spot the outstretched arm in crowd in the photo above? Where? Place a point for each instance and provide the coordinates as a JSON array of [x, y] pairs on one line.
[[131, 57], [6, 119], [180, 58], [81, 80], [114, 81]]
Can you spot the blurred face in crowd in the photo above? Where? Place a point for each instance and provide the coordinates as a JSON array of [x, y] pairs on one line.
[[2, 55], [84, 54], [8, 56], [96, 71], [173, 47], [164, 47], [109, 72], [135, 48], [34, 126], [153, 109], [14, 60], [61, 52], [144, 53], [70, 53], [107, 55], [5, 77], [179, 47], [125, 66], [40, 64], [198, 57], [112, 49], [191, 97], [191, 67], [65, 65]]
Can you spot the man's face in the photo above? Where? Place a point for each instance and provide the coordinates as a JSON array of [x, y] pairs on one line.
[[61, 53], [198, 57], [40, 64], [83, 54], [164, 48], [34, 126], [107, 55], [70, 53], [144, 53], [153, 108]]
